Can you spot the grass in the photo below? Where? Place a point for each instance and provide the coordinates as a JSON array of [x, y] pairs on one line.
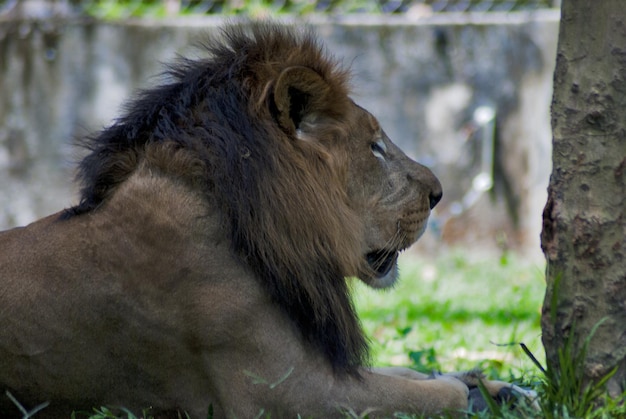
[[457, 313], [564, 393]]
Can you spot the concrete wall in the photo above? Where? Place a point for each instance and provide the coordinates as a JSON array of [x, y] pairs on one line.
[[61, 79]]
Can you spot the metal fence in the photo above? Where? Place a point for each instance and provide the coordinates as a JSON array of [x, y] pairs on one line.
[[156, 8], [366, 6]]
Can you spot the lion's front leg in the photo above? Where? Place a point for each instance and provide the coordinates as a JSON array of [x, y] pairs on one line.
[[286, 379], [383, 392], [313, 389]]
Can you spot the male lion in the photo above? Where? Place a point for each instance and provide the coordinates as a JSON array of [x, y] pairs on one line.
[[204, 267]]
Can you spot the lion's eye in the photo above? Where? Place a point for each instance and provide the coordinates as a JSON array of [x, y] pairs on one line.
[[379, 149]]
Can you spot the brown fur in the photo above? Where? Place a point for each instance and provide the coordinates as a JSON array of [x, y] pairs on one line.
[[205, 264], [225, 108]]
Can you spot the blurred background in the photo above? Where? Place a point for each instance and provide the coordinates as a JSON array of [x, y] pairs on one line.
[[463, 86]]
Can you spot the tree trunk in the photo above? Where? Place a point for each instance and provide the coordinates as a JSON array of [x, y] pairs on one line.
[[584, 221]]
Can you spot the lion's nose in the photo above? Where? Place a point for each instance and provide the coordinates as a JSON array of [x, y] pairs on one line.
[[435, 197], [428, 180]]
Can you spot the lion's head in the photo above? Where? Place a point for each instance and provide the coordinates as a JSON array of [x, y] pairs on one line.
[[311, 189]]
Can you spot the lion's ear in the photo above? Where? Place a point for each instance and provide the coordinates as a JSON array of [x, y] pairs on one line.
[[299, 95]]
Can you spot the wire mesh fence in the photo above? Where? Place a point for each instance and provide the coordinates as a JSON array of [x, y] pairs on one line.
[[365, 6], [153, 8]]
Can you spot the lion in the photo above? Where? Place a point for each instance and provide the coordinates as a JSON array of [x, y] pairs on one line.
[[204, 269]]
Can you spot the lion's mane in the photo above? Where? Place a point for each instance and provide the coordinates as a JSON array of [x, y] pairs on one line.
[[283, 199]]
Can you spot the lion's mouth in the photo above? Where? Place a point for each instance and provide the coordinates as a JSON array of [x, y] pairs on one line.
[[382, 262]]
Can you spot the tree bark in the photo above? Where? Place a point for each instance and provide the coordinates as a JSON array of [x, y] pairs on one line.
[[584, 221]]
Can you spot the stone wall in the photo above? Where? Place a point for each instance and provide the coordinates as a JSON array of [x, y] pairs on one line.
[[61, 79]]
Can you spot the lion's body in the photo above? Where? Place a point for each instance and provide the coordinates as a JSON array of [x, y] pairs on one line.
[[205, 265], [144, 338]]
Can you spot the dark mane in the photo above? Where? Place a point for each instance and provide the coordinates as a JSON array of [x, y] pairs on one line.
[[300, 241]]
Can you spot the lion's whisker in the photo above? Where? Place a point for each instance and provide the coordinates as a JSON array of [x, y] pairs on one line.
[[391, 246]]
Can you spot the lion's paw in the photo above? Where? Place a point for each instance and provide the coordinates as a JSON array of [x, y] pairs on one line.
[[502, 393]]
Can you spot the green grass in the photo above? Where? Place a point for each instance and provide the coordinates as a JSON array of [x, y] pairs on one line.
[[456, 313]]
